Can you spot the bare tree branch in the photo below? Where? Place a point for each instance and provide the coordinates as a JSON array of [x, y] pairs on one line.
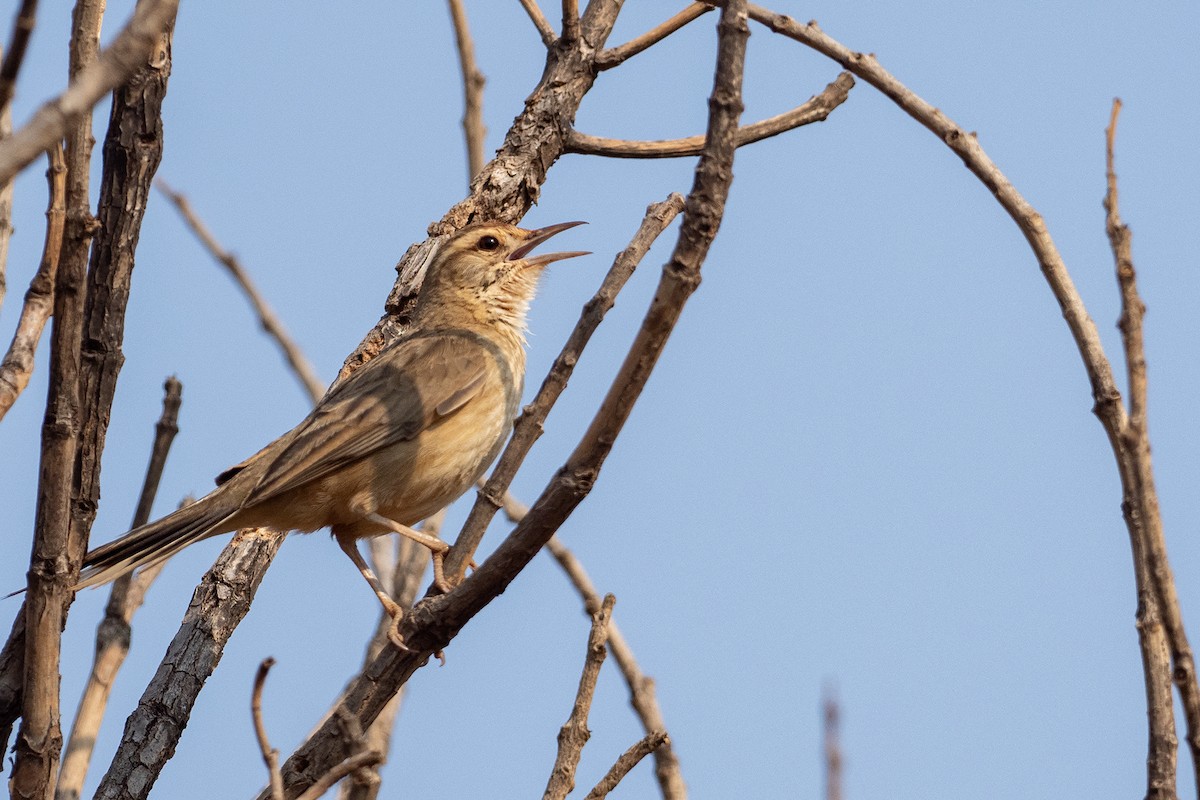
[[619, 55], [433, 623], [17, 366], [51, 567], [1141, 507], [301, 367], [366, 758], [574, 733], [529, 426], [816, 109], [570, 20], [124, 56], [114, 633], [269, 754], [1139, 503], [6, 210], [833, 747], [15, 55], [539, 21], [473, 83], [627, 761], [218, 605]]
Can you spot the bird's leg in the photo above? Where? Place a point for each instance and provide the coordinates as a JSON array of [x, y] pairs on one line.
[[349, 546], [437, 547]]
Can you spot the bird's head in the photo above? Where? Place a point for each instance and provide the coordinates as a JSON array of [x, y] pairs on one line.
[[486, 271]]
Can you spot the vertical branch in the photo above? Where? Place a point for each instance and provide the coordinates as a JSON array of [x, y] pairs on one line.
[[51, 568], [570, 20], [17, 365], [15, 55], [574, 733], [114, 632], [269, 754], [833, 748], [473, 83], [1155, 584]]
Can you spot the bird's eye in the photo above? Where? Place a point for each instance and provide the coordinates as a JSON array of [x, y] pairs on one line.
[[489, 243]]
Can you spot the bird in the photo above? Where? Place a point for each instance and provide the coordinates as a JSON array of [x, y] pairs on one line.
[[396, 440]]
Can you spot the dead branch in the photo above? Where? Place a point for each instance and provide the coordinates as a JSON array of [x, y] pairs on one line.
[[816, 109], [626, 762], [433, 623], [52, 569], [1140, 507], [218, 605], [366, 758], [6, 210], [17, 365], [268, 320], [570, 20], [619, 55], [269, 754], [574, 733], [528, 426], [15, 55], [539, 21], [114, 632], [473, 83], [127, 53], [833, 747]]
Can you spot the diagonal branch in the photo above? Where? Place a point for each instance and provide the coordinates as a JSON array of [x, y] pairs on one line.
[[619, 55], [816, 109], [433, 623], [15, 55], [539, 21], [650, 743], [301, 367]]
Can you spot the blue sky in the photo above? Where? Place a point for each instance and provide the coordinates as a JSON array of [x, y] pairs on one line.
[[867, 458]]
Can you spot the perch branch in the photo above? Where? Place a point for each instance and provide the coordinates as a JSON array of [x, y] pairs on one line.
[[627, 761], [17, 366], [529, 426], [268, 320], [128, 52], [816, 109], [619, 55], [574, 733], [433, 623], [114, 631]]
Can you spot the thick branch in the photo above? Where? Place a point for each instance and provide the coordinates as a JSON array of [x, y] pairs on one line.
[[17, 366], [127, 53], [816, 109]]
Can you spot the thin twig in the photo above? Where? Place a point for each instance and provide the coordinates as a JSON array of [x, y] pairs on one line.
[[17, 365], [619, 55], [816, 109], [473, 83], [15, 54], [267, 318], [269, 754], [529, 426], [627, 761], [6, 210], [539, 21], [114, 631], [832, 746], [570, 20], [1141, 505], [641, 686], [431, 625], [366, 758], [127, 53], [574, 733]]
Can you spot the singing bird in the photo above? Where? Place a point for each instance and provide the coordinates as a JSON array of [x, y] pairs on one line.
[[399, 438]]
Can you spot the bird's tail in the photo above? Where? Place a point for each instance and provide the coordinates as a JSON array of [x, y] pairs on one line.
[[154, 542]]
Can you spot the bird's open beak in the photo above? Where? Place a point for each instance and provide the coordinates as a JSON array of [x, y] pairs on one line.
[[534, 238]]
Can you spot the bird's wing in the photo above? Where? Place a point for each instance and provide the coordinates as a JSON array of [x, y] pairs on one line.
[[390, 399]]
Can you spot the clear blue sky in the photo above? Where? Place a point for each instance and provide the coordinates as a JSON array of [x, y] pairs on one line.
[[867, 458]]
